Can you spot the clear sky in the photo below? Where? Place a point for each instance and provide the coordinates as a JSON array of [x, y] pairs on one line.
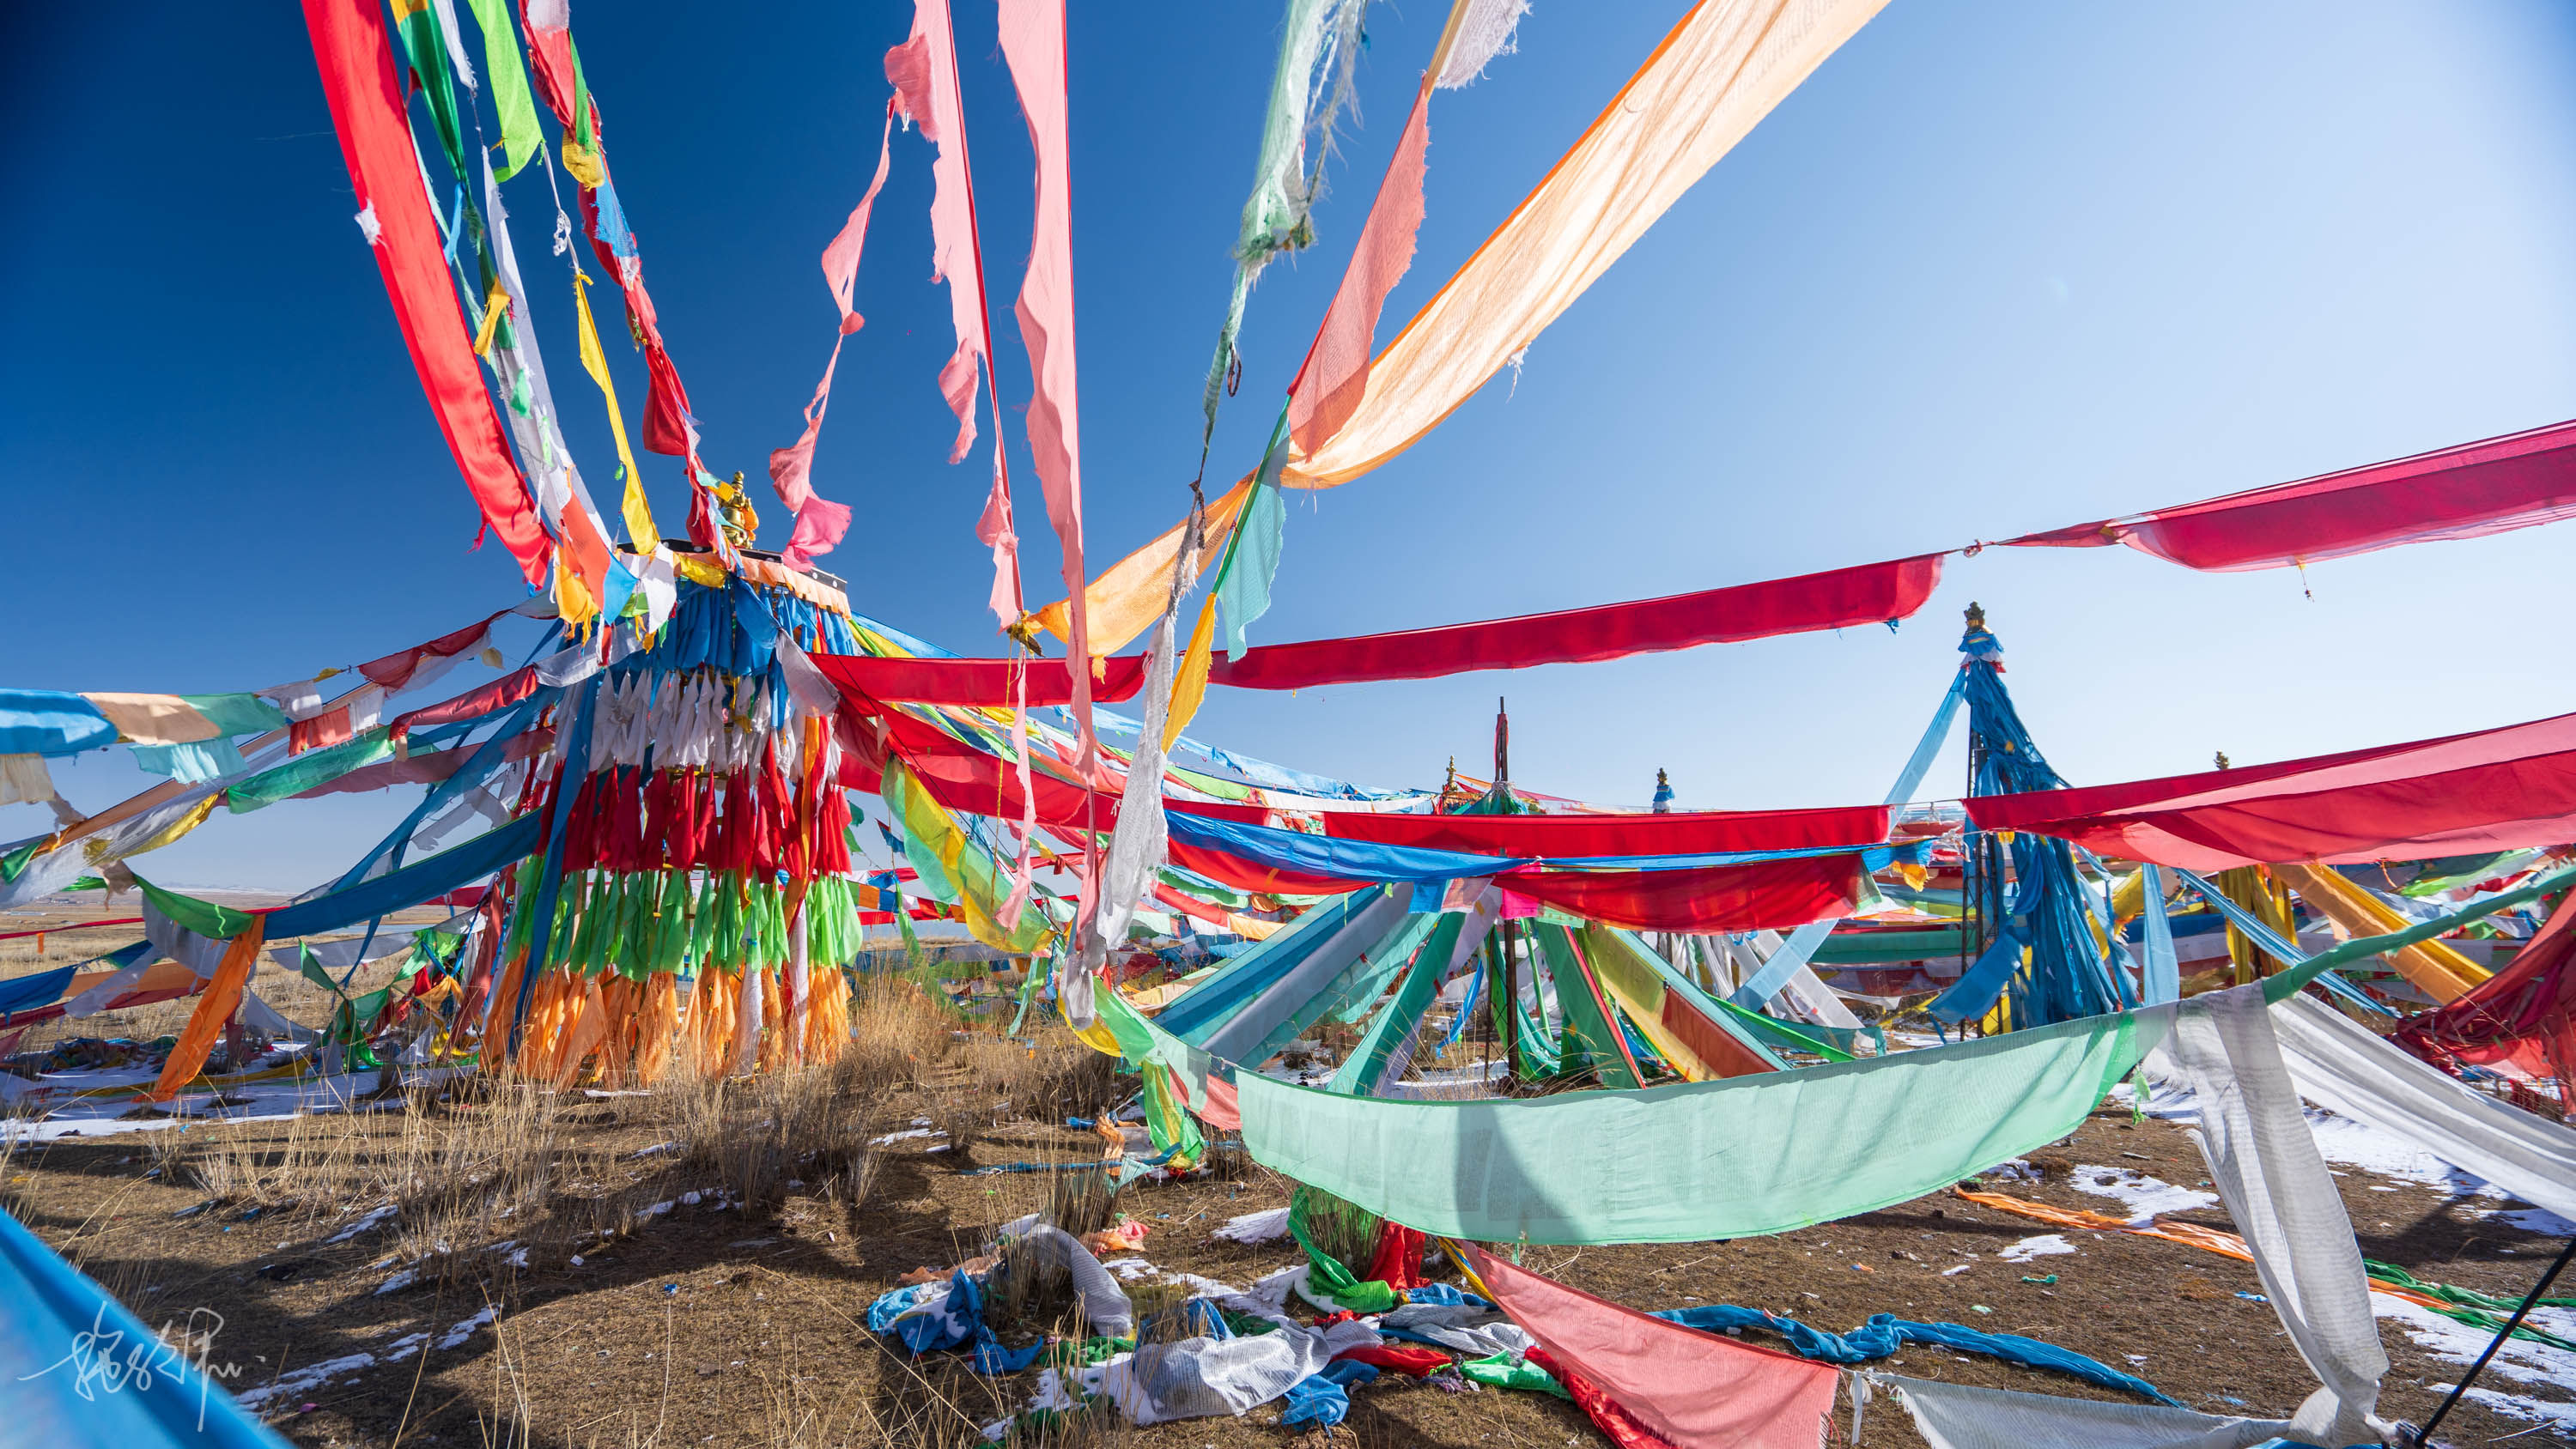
[[1995, 267]]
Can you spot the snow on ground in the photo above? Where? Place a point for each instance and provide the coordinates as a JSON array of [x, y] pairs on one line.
[[1260, 1227], [375, 1218], [2520, 1361], [2145, 1197], [2045, 1245], [283, 1392], [49, 1109]]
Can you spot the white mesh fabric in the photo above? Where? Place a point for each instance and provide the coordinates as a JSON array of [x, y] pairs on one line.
[[2263, 1160], [2346, 1070], [1484, 31]]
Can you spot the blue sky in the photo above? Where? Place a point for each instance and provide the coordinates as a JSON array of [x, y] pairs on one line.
[[1995, 267]]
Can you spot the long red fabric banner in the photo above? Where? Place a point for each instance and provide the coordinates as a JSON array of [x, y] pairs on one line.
[[1754, 896], [1765, 895], [2468, 491], [983, 784], [356, 61], [2499, 789], [1869, 594]]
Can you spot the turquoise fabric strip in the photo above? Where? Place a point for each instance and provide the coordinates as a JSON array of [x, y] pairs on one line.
[[2164, 969]]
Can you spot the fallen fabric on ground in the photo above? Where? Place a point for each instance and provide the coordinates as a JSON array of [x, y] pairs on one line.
[[1686, 1387], [1885, 1333], [1958, 1416]]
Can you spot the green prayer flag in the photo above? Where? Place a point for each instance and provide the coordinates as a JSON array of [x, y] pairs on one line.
[[302, 773], [237, 714], [520, 136], [310, 968], [220, 923]]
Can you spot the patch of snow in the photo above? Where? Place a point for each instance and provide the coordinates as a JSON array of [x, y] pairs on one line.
[[902, 1136], [2145, 1197], [2454, 1342], [2532, 1220], [375, 1218], [404, 1347], [465, 1328], [2514, 1406], [398, 1282], [300, 1381], [1260, 1227], [658, 1147], [2045, 1245], [1955, 1272]]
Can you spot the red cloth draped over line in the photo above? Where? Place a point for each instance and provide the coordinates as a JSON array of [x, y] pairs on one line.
[[357, 64], [2499, 789], [2522, 1019], [1755, 896], [1765, 895], [963, 777], [1869, 594], [2515, 481]]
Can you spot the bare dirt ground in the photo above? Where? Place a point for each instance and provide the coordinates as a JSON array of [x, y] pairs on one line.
[[520, 1267]]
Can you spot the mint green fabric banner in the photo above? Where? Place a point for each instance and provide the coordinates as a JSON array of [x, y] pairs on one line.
[[1725, 1159], [237, 714], [1363, 979], [302, 773]]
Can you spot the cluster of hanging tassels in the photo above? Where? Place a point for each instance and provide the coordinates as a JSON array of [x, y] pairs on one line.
[[704, 908]]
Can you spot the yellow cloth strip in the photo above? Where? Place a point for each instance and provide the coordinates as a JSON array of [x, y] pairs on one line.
[[1640, 993], [1130, 594], [1189, 684], [2433, 968], [639, 514]]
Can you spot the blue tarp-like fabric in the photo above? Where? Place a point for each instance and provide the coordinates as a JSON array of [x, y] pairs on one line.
[[410, 885], [1240, 980], [66, 1351], [1885, 1333], [50, 722]]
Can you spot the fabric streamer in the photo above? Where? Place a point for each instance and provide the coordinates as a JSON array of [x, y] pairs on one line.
[[1737, 1158], [1869, 594], [2347, 1070], [1032, 37], [2264, 1162], [355, 57], [2499, 789], [1962, 1416], [2468, 491], [820, 524]]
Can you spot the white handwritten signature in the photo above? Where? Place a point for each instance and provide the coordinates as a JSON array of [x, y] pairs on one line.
[[103, 1362]]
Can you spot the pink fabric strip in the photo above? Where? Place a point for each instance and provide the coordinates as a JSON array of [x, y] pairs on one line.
[[1691, 1388], [1328, 388], [924, 72], [1033, 44], [820, 523]]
